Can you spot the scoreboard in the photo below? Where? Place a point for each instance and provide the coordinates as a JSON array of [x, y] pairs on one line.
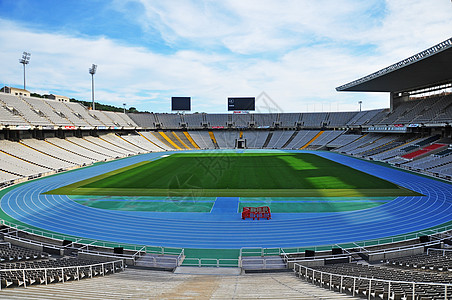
[[241, 103], [180, 103]]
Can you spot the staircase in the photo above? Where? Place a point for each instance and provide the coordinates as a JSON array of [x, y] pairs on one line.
[[267, 140], [290, 139]]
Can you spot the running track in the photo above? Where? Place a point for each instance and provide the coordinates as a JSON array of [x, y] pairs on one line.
[[204, 230]]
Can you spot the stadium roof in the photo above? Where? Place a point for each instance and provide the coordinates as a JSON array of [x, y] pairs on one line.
[[431, 67]]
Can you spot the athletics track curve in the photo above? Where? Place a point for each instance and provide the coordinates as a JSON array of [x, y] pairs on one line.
[[204, 230]]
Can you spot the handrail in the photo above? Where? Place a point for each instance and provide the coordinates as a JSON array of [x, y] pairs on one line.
[[43, 233], [389, 282], [441, 250], [368, 243], [24, 277], [214, 262], [180, 258]]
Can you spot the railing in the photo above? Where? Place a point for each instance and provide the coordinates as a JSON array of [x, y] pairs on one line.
[[89, 242], [212, 262], [368, 243], [181, 257], [444, 251], [257, 251], [261, 263], [302, 271], [61, 270]]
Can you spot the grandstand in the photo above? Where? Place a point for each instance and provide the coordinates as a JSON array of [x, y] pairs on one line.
[[42, 137]]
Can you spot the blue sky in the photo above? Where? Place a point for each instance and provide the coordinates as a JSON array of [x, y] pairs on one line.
[[296, 51]]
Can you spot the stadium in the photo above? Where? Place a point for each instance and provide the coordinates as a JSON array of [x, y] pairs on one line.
[[100, 204]]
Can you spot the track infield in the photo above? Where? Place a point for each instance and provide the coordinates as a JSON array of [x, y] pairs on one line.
[[237, 175]]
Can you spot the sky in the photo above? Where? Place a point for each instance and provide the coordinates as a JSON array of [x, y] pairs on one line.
[[289, 54]]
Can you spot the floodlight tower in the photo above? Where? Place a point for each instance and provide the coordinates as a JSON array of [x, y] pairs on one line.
[[360, 102], [25, 60], [124, 107], [92, 71]]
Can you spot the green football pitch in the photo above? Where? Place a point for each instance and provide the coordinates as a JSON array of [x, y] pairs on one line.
[[236, 175]]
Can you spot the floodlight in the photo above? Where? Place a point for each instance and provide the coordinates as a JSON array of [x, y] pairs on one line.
[[92, 71], [25, 60]]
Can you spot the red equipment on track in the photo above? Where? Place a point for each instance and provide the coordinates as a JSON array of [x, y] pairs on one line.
[[256, 212]]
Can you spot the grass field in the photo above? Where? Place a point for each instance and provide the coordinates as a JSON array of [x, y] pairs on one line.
[[236, 174]]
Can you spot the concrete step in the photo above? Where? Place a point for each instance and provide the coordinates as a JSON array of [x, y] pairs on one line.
[[208, 271], [147, 284], [157, 261]]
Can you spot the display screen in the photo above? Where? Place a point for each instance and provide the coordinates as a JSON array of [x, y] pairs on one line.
[[241, 103], [180, 103]]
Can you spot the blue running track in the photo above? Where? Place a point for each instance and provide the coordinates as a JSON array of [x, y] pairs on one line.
[[223, 228]]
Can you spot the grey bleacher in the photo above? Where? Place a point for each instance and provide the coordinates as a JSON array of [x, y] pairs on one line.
[[241, 120], [414, 110], [202, 139], [279, 138], [361, 286], [289, 120], [117, 119], [13, 103], [22, 274], [313, 119], [115, 140], [152, 138], [141, 142], [356, 145], [429, 162], [42, 106], [397, 150], [116, 149], [444, 115], [363, 117], [52, 150], [343, 140], [444, 152], [379, 115], [264, 120], [127, 119], [302, 138], [145, 120], [80, 110], [7, 178], [372, 145], [433, 261], [95, 147], [335, 119], [326, 137], [65, 111], [20, 167], [169, 121], [432, 108], [193, 121], [255, 139], [359, 115], [226, 139], [417, 111], [217, 120], [101, 117], [396, 113], [10, 116], [444, 170], [77, 149], [34, 156]]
